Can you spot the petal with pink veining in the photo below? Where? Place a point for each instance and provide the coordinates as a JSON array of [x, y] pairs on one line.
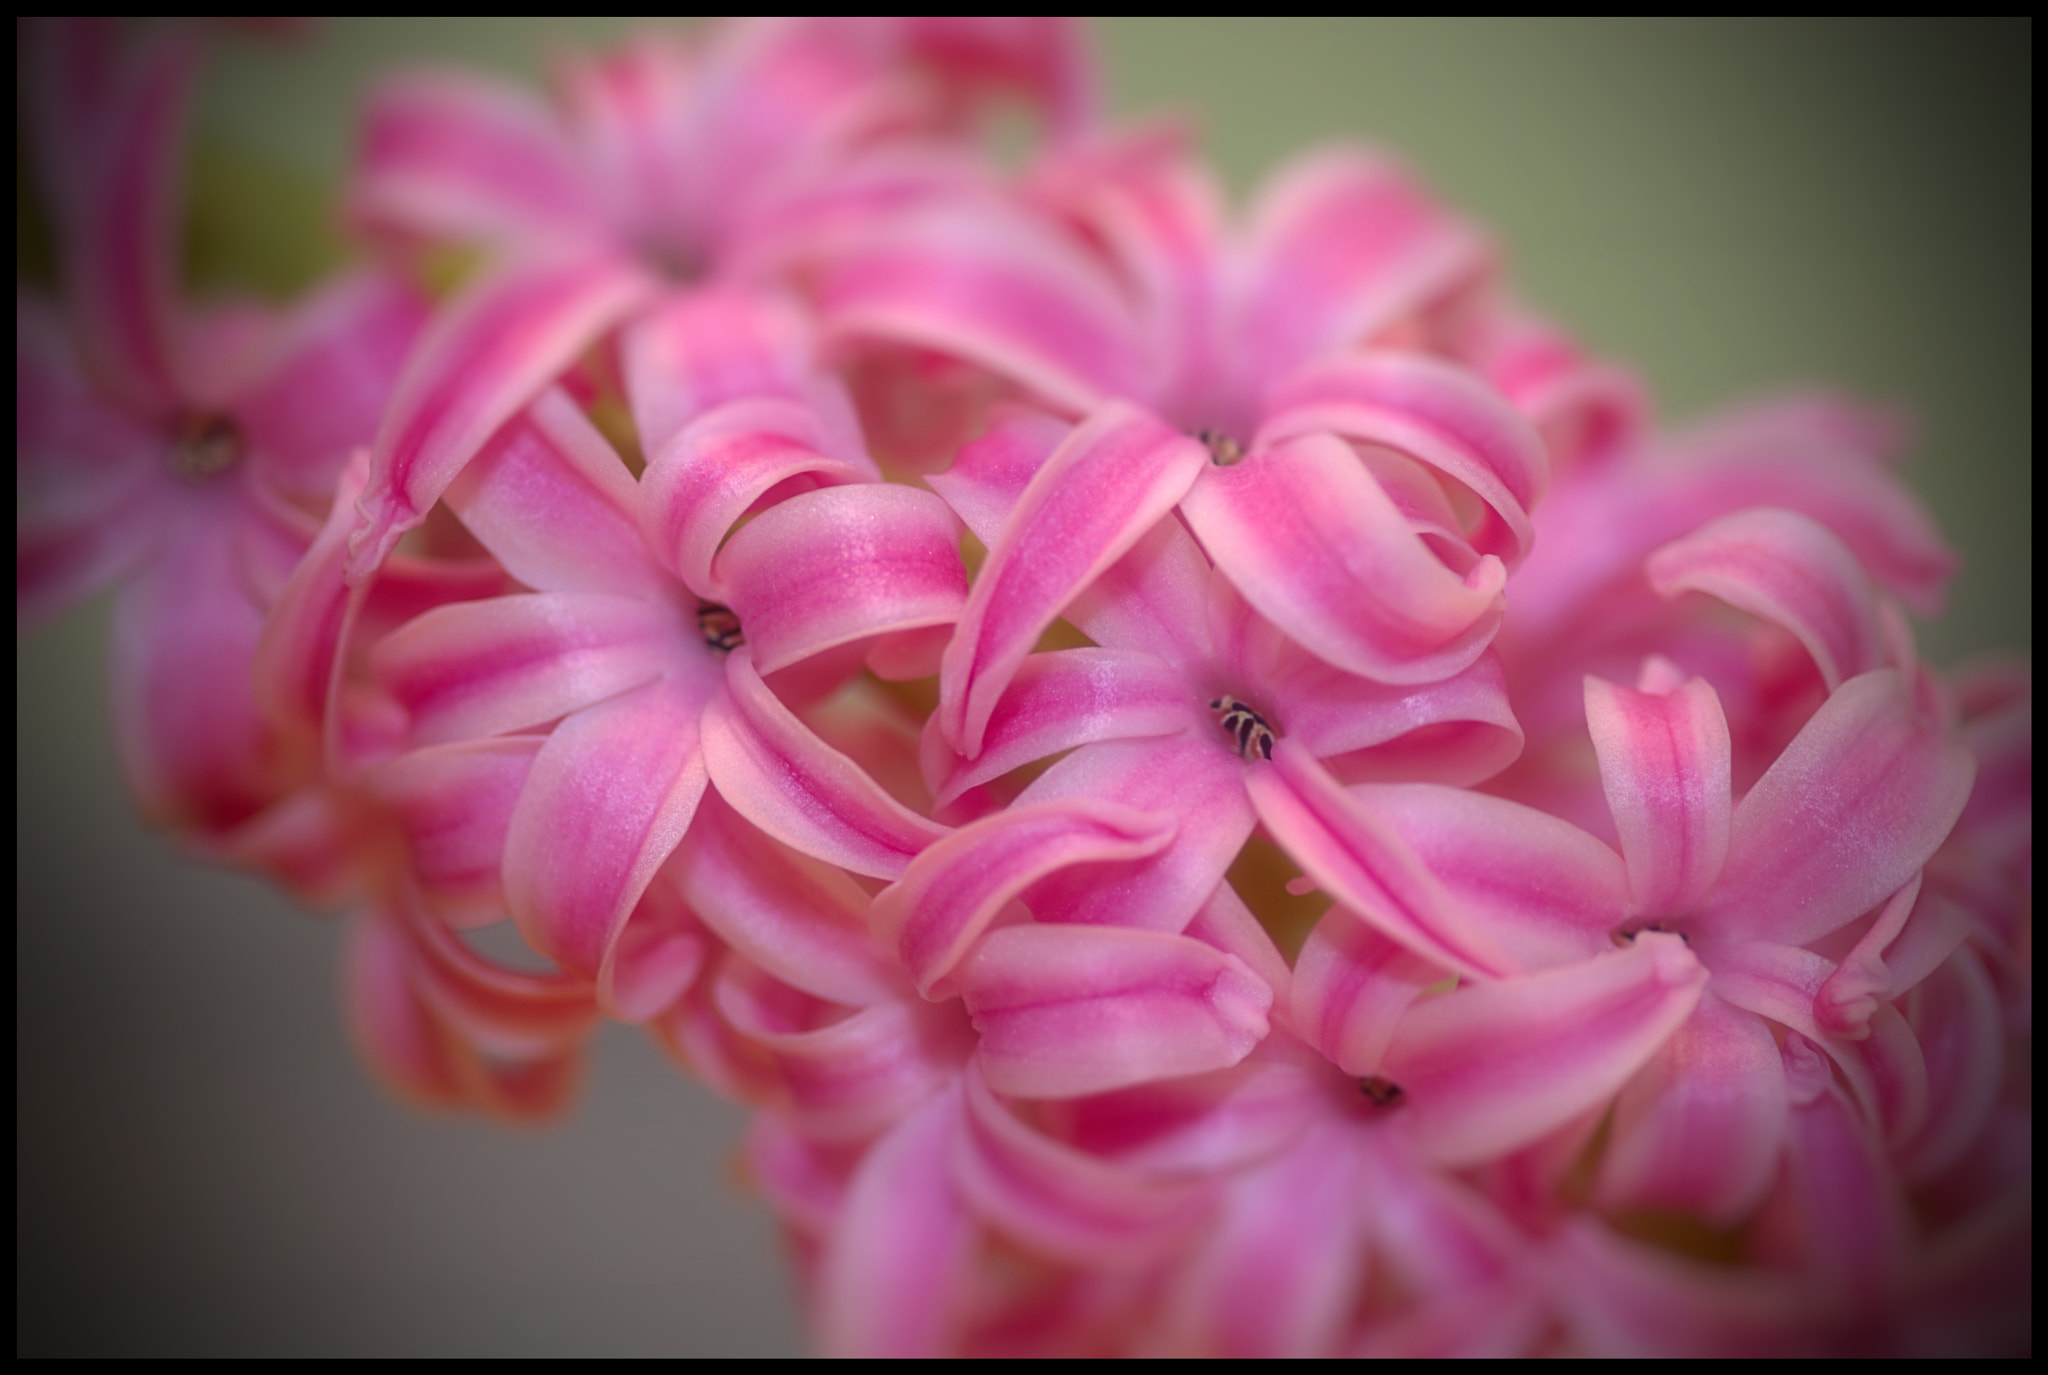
[[1351, 987], [1090, 503], [1492, 1066], [1365, 865], [1063, 1013], [1664, 761], [551, 499], [609, 798], [800, 920], [1430, 411], [961, 883], [518, 662], [1700, 1128], [1790, 570], [721, 466], [1852, 808], [785, 780], [491, 350], [1069, 697], [1306, 534], [841, 564]]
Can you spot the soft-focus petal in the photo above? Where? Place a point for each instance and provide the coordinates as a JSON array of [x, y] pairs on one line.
[[1351, 988], [1852, 808], [1492, 1066], [445, 155], [1311, 540], [1066, 1012], [1790, 570], [454, 804], [1091, 501], [1664, 761], [1699, 1129]]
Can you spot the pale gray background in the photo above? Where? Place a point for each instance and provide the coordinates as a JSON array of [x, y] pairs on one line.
[[201, 1168]]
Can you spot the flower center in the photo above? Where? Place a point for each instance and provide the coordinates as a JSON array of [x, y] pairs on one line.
[[1223, 450], [1249, 729], [720, 627], [1383, 1092], [207, 445], [1627, 935]]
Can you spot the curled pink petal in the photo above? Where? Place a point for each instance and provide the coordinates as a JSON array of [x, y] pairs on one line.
[[1091, 501], [1852, 808], [829, 567], [609, 798], [454, 803], [1365, 866], [962, 882], [1839, 1213], [1790, 570], [781, 777], [1432, 412], [1493, 1066], [1351, 987], [1622, 1298], [1955, 1020], [489, 353], [1665, 761], [1054, 1200], [1070, 697], [1064, 1012], [799, 920], [702, 483], [551, 499], [989, 476], [514, 663], [1311, 540], [1700, 1128], [896, 1265]]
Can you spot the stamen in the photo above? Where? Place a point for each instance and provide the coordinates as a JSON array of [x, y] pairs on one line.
[[1254, 737], [1383, 1092], [1223, 450], [721, 628], [207, 445], [1627, 935]]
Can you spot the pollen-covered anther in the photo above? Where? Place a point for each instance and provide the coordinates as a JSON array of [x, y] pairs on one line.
[[1383, 1092], [1223, 450], [1245, 726], [720, 626], [208, 444]]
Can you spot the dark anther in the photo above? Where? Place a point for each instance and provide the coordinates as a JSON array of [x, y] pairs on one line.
[[1384, 1092], [721, 628], [1627, 934], [1249, 729], [207, 444], [1223, 450]]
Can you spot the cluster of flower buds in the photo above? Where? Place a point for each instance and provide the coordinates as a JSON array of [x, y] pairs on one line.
[[1214, 782]]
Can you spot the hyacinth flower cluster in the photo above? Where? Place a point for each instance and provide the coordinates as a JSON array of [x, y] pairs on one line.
[[907, 629]]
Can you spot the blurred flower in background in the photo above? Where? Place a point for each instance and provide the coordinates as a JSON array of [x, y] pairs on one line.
[[1658, 976]]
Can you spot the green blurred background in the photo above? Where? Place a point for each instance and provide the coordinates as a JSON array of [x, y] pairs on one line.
[[1730, 207]]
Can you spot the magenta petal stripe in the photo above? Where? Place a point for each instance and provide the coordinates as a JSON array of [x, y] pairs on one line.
[[1664, 760], [490, 352], [1093, 499]]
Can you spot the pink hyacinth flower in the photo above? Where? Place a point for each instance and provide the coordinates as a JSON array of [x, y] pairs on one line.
[[186, 453]]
